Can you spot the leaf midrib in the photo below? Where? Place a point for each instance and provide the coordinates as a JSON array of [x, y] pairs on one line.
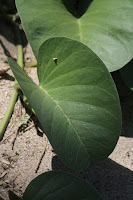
[[80, 32], [57, 105]]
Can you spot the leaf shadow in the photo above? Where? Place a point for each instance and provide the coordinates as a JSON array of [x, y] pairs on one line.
[[7, 53], [112, 181], [127, 126], [7, 31], [3, 73], [126, 100], [6, 76], [127, 74]]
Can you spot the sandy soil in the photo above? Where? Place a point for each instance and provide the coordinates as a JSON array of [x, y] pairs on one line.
[[113, 177]]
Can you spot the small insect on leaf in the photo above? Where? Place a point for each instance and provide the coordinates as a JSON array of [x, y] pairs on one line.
[[55, 60]]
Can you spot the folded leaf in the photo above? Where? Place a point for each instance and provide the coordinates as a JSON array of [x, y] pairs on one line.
[[60, 185], [106, 26], [76, 101]]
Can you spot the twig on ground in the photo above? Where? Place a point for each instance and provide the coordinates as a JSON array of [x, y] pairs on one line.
[[16, 132], [4, 71], [14, 139], [29, 127], [6, 138], [1, 197], [42, 155], [3, 174], [12, 182]]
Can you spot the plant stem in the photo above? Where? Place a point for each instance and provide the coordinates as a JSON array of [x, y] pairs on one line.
[[8, 114], [20, 55], [10, 108]]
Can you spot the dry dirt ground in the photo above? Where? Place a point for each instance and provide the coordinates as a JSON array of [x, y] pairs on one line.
[[113, 178]]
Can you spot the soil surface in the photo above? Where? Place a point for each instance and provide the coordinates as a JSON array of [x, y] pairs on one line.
[[113, 178]]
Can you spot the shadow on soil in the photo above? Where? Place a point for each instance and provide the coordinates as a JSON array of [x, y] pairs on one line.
[[7, 31], [127, 116], [126, 99], [113, 181], [6, 76]]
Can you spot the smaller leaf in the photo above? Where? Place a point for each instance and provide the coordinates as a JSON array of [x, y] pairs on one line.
[[13, 196], [61, 186], [23, 120], [76, 101]]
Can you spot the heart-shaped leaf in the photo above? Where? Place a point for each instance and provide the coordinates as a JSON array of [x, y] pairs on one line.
[[76, 101], [60, 185], [106, 27]]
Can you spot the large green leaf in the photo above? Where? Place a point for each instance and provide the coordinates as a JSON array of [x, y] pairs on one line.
[[106, 27], [76, 101], [61, 186]]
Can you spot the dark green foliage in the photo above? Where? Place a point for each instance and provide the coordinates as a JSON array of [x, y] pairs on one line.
[[76, 101], [106, 27]]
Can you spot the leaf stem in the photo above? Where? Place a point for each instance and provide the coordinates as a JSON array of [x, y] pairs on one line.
[[10, 108], [6, 119]]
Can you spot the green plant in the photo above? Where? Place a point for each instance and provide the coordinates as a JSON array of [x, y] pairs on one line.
[[7, 116], [77, 44], [57, 185], [80, 124], [105, 26]]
